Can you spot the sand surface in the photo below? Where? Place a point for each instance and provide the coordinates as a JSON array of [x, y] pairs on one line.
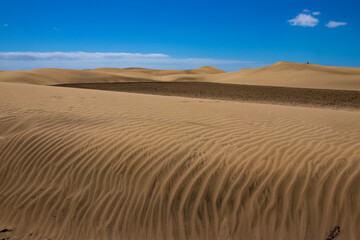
[[285, 74], [85, 164], [51, 76], [289, 74]]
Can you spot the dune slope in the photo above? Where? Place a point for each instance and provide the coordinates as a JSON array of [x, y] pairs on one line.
[[201, 70], [82, 164], [289, 74], [285, 74], [51, 76]]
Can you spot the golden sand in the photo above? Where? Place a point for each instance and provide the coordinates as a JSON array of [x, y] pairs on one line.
[[85, 164], [283, 74]]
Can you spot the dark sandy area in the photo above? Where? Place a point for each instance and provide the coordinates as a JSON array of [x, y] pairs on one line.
[[249, 93]]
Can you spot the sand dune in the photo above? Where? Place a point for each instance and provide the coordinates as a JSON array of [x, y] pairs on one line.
[[288, 74], [280, 74], [84, 164], [51, 76], [201, 70]]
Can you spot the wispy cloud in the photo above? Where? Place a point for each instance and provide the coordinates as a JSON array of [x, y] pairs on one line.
[[5, 24], [304, 20], [333, 24], [316, 13], [26, 56], [83, 60]]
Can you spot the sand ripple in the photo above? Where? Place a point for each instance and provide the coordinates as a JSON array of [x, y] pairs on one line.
[[102, 165]]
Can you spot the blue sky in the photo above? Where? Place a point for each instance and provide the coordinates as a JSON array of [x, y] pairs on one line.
[[177, 34]]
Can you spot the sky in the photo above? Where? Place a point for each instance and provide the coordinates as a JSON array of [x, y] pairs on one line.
[[177, 34]]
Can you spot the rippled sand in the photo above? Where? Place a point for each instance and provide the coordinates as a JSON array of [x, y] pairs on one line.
[[85, 164]]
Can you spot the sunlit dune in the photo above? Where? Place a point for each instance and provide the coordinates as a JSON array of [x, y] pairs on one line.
[[300, 75], [50, 76], [90, 164], [201, 70], [85, 164], [179, 120], [283, 74]]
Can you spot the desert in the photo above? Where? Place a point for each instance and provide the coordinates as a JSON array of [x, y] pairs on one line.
[[264, 153], [179, 120], [281, 74]]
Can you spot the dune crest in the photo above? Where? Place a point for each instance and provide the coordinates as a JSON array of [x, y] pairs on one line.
[[300, 75], [201, 70], [288, 66], [82, 164], [285, 74], [50, 76]]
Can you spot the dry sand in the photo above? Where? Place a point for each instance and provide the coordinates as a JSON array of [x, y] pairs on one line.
[[85, 164], [288, 74], [50, 76], [283, 74]]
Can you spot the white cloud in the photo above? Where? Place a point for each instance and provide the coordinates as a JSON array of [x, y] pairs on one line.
[[307, 19], [333, 24], [86, 60], [25, 56], [304, 20]]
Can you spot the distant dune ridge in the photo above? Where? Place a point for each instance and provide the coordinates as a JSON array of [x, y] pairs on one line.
[[50, 76], [300, 75], [82, 164], [201, 70], [286, 74]]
